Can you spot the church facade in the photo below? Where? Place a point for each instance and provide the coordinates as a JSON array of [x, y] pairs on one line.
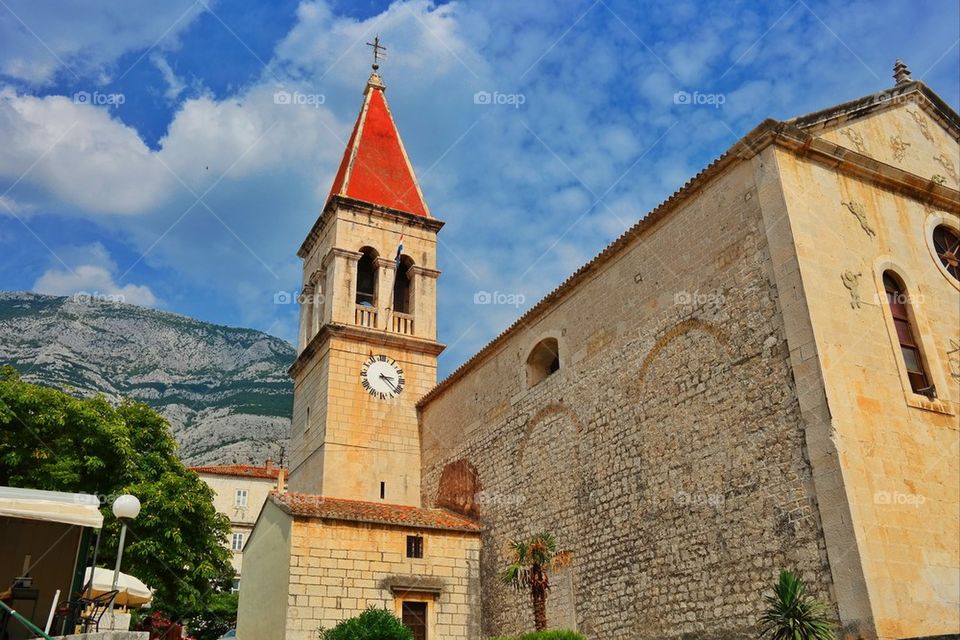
[[762, 373]]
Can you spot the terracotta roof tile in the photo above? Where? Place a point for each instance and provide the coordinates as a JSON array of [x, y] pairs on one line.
[[316, 506], [375, 167], [268, 471]]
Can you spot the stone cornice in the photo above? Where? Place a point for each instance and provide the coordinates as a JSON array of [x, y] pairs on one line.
[[367, 336], [353, 256], [386, 263], [394, 215], [424, 271]]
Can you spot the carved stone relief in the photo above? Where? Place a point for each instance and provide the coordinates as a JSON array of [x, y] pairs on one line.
[[851, 281], [857, 210]]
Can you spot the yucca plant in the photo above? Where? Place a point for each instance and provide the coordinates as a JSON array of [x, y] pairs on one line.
[[793, 614], [532, 559]]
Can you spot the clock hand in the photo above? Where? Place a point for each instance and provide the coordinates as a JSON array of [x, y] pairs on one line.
[[389, 381]]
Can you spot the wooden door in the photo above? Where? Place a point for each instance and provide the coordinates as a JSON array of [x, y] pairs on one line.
[[415, 619]]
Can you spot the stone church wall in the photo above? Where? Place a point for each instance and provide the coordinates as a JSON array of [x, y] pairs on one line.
[[667, 453]]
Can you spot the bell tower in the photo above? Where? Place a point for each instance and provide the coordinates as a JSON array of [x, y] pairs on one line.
[[368, 331]]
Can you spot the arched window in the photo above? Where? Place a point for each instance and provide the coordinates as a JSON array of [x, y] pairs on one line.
[[899, 303], [367, 278], [543, 361], [401, 288], [946, 242]]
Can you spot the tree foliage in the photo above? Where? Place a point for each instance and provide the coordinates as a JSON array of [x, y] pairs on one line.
[[793, 614], [51, 440], [528, 569], [372, 624]]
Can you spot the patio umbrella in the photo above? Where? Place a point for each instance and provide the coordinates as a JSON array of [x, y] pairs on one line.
[[132, 592]]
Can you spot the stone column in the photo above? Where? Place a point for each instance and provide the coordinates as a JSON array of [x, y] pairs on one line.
[[386, 276], [342, 290], [423, 301], [306, 316]]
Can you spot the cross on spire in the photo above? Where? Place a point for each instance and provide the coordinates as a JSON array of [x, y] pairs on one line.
[[377, 48]]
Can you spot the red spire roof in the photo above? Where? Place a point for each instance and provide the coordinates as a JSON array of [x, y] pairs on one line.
[[375, 167]]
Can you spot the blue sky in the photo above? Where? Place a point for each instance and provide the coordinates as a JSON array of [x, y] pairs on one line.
[[142, 152]]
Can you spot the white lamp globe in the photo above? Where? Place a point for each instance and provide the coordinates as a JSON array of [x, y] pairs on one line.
[[126, 507]]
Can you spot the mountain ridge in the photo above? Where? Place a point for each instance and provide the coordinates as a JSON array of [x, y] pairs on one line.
[[224, 390]]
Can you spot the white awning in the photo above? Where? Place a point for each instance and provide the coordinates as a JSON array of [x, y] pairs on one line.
[[51, 506]]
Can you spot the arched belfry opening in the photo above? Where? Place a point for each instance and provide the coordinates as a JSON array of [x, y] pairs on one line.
[[543, 361], [367, 277], [402, 288]]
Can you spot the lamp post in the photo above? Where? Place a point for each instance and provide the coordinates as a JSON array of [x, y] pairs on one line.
[[126, 508]]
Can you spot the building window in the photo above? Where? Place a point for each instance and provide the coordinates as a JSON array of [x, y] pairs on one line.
[[240, 498], [414, 546], [946, 242], [236, 542], [543, 361], [899, 304], [367, 278], [401, 288]]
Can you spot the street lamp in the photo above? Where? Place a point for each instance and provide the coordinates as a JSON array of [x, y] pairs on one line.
[[126, 508]]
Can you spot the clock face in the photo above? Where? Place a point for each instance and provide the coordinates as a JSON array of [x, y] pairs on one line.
[[382, 377]]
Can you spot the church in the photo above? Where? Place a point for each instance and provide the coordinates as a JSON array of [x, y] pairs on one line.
[[762, 373]]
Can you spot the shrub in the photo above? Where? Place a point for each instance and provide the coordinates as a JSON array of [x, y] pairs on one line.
[[793, 614], [372, 624], [545, 635]]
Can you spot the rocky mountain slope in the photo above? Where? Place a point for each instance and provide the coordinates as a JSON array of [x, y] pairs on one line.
[[224, 390]]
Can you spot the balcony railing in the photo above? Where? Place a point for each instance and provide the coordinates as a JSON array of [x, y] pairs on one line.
[[366, 316], [402, 323]]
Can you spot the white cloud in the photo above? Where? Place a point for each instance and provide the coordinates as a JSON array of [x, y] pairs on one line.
[[84, 39], [175, 85], [93, 276]]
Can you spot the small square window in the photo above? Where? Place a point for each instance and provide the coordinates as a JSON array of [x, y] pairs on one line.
[[414, 546], [240, 498], [236, 543]]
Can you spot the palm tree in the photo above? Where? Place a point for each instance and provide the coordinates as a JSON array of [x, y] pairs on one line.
[[532, 559], [792, 614]]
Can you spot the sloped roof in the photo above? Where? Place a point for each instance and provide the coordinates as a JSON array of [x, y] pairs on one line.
[[745, 147], [375, 167], [317, 506], [267, 472]]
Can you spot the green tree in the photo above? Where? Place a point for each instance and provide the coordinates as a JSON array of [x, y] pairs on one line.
[[51, 440], [793, 614], [219, 617], [528, 569], [372, 624]]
